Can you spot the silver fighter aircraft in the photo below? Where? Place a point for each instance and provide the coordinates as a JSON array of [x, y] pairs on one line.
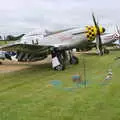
[[39, 44]]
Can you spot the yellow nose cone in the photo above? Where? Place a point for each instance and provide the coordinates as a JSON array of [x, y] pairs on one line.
[[92, 32]]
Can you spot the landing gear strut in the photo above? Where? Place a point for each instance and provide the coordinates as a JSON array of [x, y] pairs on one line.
[[74, 60], [58, 60]]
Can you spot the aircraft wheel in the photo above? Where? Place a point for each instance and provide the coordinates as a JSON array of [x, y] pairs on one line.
[[59, 67], [8, 56], [74, 60]]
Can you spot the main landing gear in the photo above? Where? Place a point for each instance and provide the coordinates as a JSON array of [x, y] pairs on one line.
[[60, 58], [73, 59]]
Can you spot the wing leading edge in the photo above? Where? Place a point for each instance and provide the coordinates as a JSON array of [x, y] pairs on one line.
[[25, 48]]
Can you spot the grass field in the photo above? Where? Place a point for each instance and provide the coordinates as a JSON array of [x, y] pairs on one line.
[[28, 94]]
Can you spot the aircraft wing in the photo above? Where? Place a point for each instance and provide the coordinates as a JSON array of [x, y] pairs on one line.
[[48, 33], [25, 48], [57, 31]]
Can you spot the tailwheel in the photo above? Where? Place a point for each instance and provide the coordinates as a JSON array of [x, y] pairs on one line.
[[74, 60]]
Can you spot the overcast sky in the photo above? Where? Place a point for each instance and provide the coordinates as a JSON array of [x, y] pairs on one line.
[[22, 16]]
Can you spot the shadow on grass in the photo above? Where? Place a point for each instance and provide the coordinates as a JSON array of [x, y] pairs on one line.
[[93, 54], [114, 49], [38, 68]]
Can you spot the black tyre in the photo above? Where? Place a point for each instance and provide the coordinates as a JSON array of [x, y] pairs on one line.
[[59, 67], [8, 56], [74, 60]]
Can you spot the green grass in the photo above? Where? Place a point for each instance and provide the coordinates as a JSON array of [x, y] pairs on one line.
[[3, 42], [28, 95]]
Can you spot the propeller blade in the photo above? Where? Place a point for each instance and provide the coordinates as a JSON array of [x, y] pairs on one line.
[[98, 36], [99, 45], [94, 20]]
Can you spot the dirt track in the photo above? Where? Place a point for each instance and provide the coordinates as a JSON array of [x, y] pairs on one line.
[[8, 66], [11, 66]]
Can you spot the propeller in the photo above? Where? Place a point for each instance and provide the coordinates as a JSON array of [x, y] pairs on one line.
[[98, 36]]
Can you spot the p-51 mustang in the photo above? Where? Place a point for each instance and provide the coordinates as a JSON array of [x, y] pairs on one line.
[[38, 45]]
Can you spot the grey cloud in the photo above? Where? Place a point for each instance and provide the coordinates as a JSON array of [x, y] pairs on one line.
[[19, 16]]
